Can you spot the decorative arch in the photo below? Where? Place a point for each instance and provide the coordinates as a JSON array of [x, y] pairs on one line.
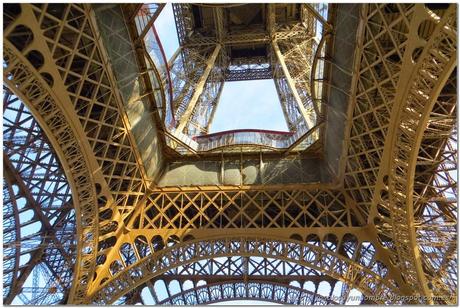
[[249, 290], [37, 202], [196, 283], [428, 62], [368, 280], [34, 86]]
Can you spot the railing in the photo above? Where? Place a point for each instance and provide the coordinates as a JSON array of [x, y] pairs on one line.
[[276, 140], [266, 138], [156, 60]]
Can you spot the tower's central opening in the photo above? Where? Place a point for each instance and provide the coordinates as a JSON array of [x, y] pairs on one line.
[[253, 72], [250, 104]]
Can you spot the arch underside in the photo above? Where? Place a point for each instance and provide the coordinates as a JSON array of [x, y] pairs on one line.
[[251, 290], [233, 278], [320, 256], [38, 218], [388, 229]]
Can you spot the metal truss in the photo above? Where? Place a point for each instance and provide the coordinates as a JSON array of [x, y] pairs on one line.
[[229, 278], [194, 72], [61, 76], [397, 104], [322, 255], [38, 217], [386, 229], [272, 292], [184, 210], [206, 60]]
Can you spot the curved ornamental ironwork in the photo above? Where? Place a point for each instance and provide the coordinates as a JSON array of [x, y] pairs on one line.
[[264, 291], [39, 239], [310, 255]]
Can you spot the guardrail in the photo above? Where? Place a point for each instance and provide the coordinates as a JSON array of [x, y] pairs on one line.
[[250, 137], [266, 138]]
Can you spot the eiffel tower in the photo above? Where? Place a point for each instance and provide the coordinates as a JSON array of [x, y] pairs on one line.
[[116, 192]]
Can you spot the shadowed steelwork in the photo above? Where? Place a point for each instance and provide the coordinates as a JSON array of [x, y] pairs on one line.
[[115, 193]]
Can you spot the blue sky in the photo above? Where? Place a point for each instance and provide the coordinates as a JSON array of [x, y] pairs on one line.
[[243, 104]]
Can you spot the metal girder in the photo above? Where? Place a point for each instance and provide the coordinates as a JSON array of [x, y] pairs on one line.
[[284, 279], [218, 15], [14, 177], [315, 13], [36, 258], [187, 252], [256, 37], [151, 19], [392, 217], [215, 102], [248, 74], [76, 136], [249, 290], [396, 100], [198, 89], [32, 173], [284, 104], [275, 30], [307, 116]]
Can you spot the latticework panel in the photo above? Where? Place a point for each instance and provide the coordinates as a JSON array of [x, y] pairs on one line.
[[70, 34], [319, 254], [299, 54], [391, 148], [285, 48], [206, 106], [246, 209], [269, 279], [61, 73], [188, 73], [289, 106], [203, 294], [435, 198], [379, 72], [265, 279], [39, 219]]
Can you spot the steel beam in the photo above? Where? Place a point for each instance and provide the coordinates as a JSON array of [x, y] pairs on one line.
[[186, 116], [305, 114], [16, 178], [213, 112]]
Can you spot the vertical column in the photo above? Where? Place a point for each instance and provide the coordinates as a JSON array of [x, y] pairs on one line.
[[198, 89], [305, 114]]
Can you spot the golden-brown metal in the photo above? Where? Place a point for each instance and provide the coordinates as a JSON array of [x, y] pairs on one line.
[[386, 229]]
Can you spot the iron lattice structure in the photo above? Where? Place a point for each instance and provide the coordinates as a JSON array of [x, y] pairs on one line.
[[285, 43], [95, 124]]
